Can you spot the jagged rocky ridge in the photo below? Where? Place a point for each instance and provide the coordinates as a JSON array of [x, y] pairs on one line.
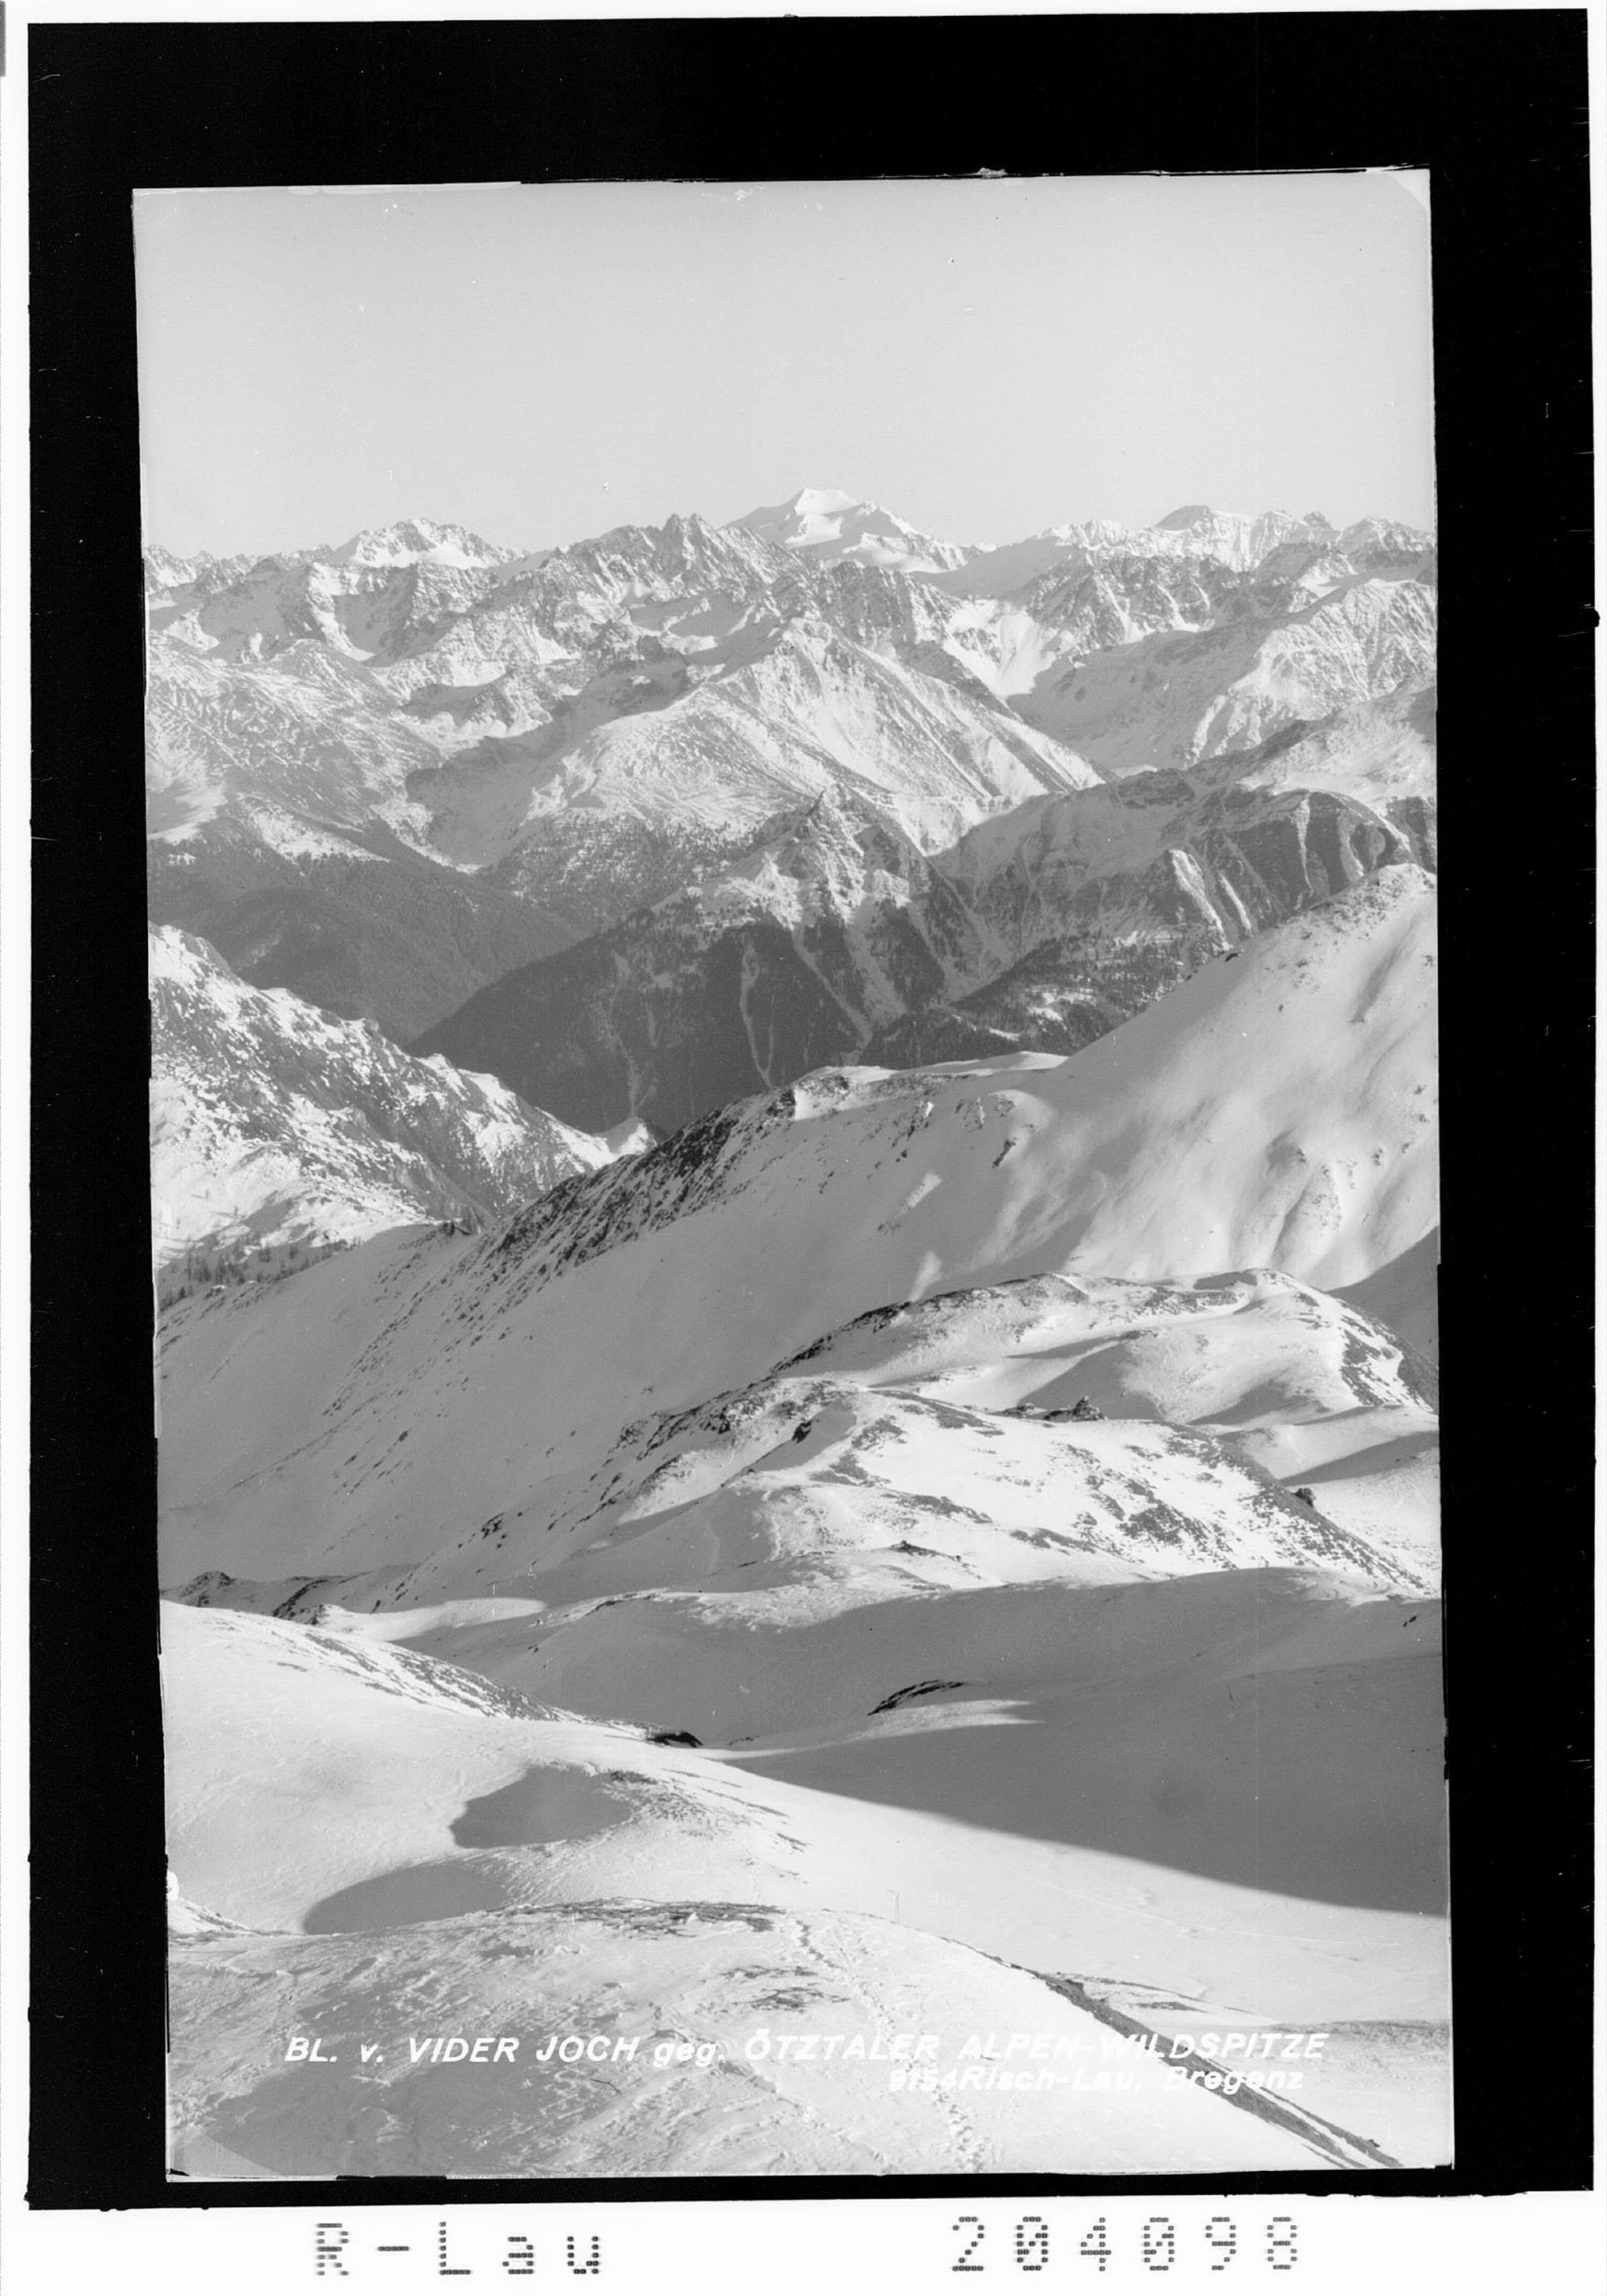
[[276, 1129]]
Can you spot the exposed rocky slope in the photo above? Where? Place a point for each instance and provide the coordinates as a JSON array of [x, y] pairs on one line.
[[275, 1126], [835, 939], [353, 921]]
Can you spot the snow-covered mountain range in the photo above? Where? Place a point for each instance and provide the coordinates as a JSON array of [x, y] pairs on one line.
[[945, 1543], [375, 769]]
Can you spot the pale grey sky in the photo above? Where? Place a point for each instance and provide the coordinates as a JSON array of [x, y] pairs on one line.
[[983, 358]]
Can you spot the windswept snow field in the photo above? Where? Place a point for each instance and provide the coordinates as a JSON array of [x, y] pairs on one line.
[[387, 1856]]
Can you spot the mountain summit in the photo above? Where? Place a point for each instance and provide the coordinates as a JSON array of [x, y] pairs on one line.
[[831, 526], [413, 541]]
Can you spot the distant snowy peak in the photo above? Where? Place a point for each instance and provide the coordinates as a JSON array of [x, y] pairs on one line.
[[1238, 538], [409, 543], [604, 721], [165, 570], [168, 570], [1240, 541], [689, 549], [1388, 543], [412, 542], [829, 525], [1200, 518], [1243, 541]]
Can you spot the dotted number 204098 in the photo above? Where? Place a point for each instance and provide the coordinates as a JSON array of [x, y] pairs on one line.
[[1159, 2244]]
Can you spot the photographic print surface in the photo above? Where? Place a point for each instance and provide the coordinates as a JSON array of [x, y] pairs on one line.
[[794, 1173]]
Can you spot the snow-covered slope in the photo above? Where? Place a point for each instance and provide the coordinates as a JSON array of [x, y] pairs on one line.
[[1294, 1378], [1277, 1110], [301, 744], [1032, 1559], [1171, 698], [815, 714], [462, 1862], [1380, 753], [274, 1125]]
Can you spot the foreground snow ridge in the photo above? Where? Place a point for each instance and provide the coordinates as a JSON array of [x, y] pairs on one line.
[[664, 2030]]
